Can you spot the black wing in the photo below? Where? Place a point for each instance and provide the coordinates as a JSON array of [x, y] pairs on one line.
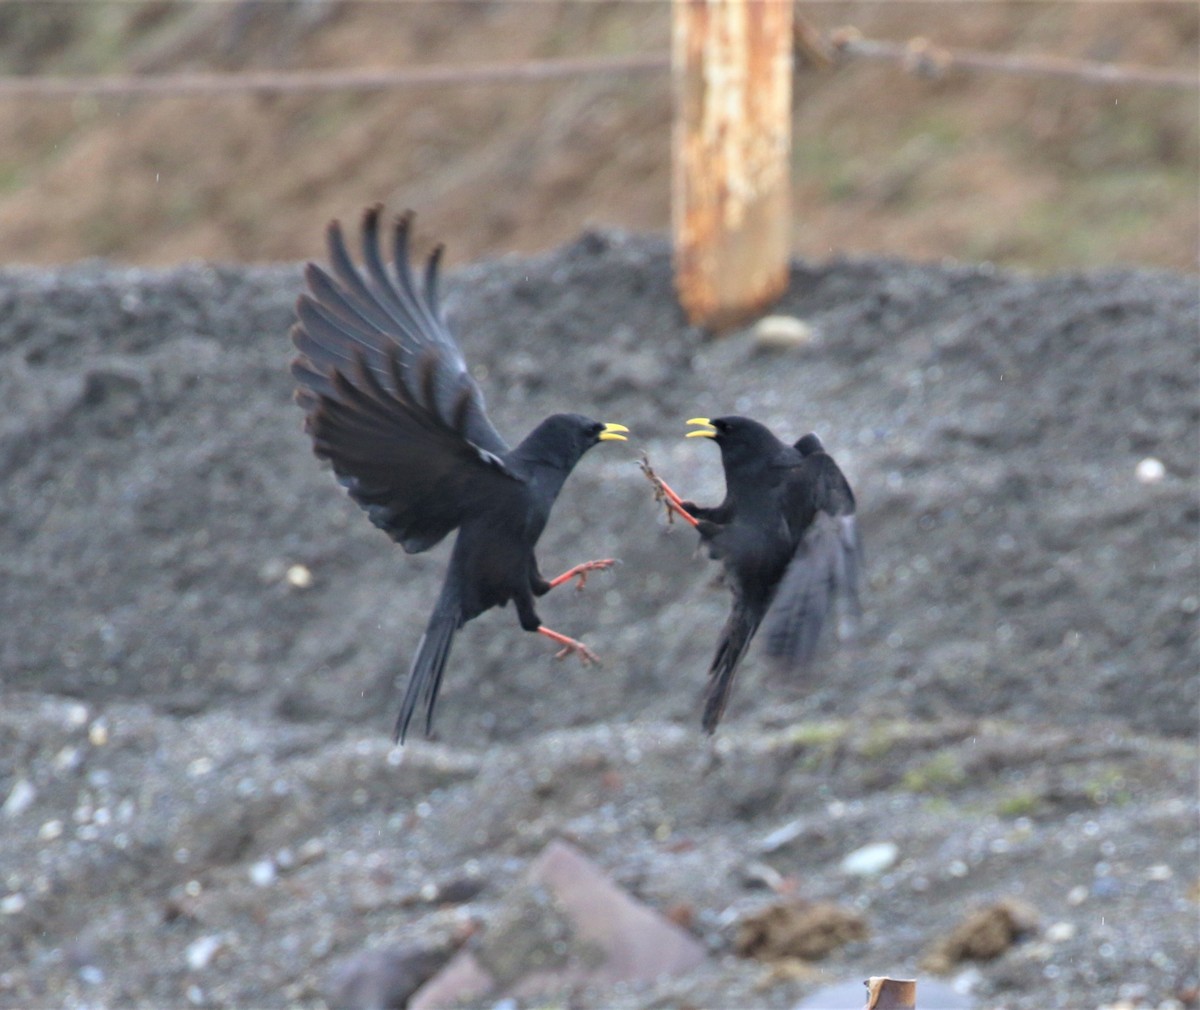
[[388, 397], [823, 574]]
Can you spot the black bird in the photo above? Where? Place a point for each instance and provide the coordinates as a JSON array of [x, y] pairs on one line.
[[391, 405], [785, 535]]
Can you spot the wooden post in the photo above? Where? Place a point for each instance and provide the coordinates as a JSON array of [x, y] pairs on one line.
[[731, 190], [885, 993]]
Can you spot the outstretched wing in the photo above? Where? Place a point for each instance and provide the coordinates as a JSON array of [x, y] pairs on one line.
[[823, 574], [388, 397]]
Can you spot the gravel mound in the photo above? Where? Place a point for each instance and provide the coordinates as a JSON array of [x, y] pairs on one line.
[[202, 635]]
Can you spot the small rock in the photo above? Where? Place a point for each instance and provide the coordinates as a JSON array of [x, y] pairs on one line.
[[199, 953], [299, 577], [91, 975], [782, 836], [1060, 932], [12, 904], [1150, 471], [20, 798], [98, 733], [758, 874], [263, 873], [50, 831], [378, 979], [781, 333], [870, 859]]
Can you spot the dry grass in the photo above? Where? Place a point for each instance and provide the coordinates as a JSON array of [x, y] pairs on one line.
[[1032, 173]]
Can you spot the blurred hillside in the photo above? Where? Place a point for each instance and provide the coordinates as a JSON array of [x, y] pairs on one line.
[[1036, 173]]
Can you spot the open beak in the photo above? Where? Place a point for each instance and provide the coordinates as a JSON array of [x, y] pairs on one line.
[[612, 433], [708, 432]]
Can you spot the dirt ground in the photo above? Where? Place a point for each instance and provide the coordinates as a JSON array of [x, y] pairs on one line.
[[200, 802]]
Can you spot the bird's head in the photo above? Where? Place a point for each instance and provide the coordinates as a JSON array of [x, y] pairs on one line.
[[562, 439], [740, 438]]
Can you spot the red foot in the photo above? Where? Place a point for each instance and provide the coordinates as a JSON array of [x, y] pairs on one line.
[[582, 571], [663, 493], [569, 645]]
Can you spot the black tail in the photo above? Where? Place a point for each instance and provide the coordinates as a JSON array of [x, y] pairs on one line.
[[735, 640], [425, 677]]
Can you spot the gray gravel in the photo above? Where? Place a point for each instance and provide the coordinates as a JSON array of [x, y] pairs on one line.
[[200, 802]]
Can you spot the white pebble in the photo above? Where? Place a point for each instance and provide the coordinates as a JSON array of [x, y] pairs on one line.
[[263, 873], [781, 836], [299, 577], [11, 904], [870, 859], [200, 952], [90, 974], [1060, 932], [1150, 470], [20, 798], [50, 831], [782, 332]]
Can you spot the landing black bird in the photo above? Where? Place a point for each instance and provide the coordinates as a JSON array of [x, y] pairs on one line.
[[389, 402], [785, 535]]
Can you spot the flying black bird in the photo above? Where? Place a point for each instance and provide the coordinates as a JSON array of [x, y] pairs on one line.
[[785, 535], [391, 405]]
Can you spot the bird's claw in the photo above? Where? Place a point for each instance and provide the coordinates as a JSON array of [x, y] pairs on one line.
[[662, 493], [581, 572], [586, 656]]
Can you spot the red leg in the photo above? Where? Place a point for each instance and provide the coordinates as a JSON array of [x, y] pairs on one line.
[[582, 571], [569, 645], [663, 493]]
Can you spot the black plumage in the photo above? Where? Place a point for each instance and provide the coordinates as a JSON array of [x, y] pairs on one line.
[[389, 402], [786, 538]]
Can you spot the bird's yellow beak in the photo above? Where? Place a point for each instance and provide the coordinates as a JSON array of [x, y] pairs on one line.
[[612, 433], [708, 432]]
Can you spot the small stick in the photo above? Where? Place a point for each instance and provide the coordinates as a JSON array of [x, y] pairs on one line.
[[663, 493]]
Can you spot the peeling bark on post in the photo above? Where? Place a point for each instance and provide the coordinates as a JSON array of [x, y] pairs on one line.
[[731, 192], [885, 993]]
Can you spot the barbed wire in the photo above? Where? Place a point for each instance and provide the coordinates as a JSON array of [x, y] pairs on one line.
[[921, 57], [917, 56], [285, 82]]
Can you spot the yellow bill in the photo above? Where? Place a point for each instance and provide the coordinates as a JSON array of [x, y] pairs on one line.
[[612, 433], [708, 432]]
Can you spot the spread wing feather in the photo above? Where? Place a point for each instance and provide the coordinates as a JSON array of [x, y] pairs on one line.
[[388, 397], [822, 576]]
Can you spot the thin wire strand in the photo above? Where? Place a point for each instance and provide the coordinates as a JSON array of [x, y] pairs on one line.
[[276, 82], [920, 57], [917, 56]]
